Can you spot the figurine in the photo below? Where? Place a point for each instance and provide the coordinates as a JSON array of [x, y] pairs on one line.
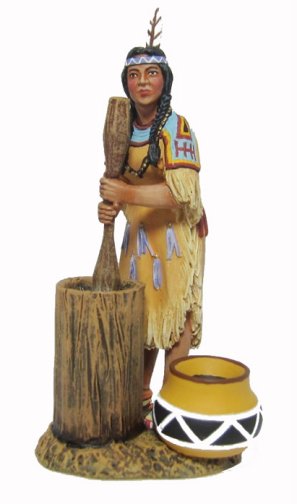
[[103, 328], [159, 193]]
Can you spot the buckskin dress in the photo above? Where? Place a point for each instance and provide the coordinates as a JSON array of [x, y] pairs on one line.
[[161, 247]]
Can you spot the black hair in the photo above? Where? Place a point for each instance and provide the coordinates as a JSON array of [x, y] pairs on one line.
[[164, 108]]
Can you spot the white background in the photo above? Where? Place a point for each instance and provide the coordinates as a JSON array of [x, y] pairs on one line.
[[60, 62]]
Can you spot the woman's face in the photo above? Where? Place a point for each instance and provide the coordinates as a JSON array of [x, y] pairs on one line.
[[145, 84]]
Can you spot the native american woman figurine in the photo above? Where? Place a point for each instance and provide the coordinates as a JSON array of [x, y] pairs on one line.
[[159, 193]]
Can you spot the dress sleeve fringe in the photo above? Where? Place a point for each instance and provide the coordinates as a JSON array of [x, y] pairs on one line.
[[185, 188]]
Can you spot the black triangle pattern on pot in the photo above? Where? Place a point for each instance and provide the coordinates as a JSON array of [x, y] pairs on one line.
[[202, 428], [201, 432], [230, 436], [248, 423], [174, 430], [160, 412]]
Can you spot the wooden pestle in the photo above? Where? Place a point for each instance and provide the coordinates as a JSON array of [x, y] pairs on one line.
[[116, 138]]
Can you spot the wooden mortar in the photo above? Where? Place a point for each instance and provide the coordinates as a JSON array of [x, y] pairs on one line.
[[98, 362]]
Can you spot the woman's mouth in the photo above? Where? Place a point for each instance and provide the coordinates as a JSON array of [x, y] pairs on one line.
[[144, 92]]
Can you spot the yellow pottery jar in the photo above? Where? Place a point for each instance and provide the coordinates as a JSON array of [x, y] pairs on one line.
[[206, 408]]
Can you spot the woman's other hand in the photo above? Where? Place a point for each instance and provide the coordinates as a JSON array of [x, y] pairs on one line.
[[108, 212]]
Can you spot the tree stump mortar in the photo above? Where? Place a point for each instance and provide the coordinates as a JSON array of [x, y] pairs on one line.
[[98, 372]]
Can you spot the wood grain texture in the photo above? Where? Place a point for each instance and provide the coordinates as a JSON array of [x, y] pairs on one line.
[[98, 362], [116, 135], [106, 276]]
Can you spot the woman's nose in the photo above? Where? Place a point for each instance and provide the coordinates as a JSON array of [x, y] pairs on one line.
[[142, 79]]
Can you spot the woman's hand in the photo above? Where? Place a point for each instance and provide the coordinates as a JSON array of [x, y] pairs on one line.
[[113, 190], [151, 196], [108, 212]]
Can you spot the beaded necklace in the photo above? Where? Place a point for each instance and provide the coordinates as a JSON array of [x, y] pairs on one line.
[[146, 160]]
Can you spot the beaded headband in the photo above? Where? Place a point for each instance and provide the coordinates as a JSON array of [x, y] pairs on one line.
[[144, 59]]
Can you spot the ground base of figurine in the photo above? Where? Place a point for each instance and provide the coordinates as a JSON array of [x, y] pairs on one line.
[[143, 457]]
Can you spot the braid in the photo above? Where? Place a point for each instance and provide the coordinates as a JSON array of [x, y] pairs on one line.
[[153, 155], [163, 110]]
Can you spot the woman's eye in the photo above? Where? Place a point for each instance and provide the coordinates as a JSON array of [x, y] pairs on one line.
[[153, 72], [132, 75]]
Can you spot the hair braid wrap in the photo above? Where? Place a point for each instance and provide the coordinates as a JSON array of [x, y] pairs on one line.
[[154, 149]]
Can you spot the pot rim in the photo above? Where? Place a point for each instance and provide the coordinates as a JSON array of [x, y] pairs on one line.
[[196, 379]]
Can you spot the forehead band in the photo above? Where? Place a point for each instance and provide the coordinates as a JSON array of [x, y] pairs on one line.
[[145, 59]]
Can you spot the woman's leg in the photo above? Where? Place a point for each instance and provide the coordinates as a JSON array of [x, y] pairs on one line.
[[150, 357], [181, 348]]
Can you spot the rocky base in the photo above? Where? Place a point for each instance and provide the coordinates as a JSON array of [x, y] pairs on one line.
[[143, 457]]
